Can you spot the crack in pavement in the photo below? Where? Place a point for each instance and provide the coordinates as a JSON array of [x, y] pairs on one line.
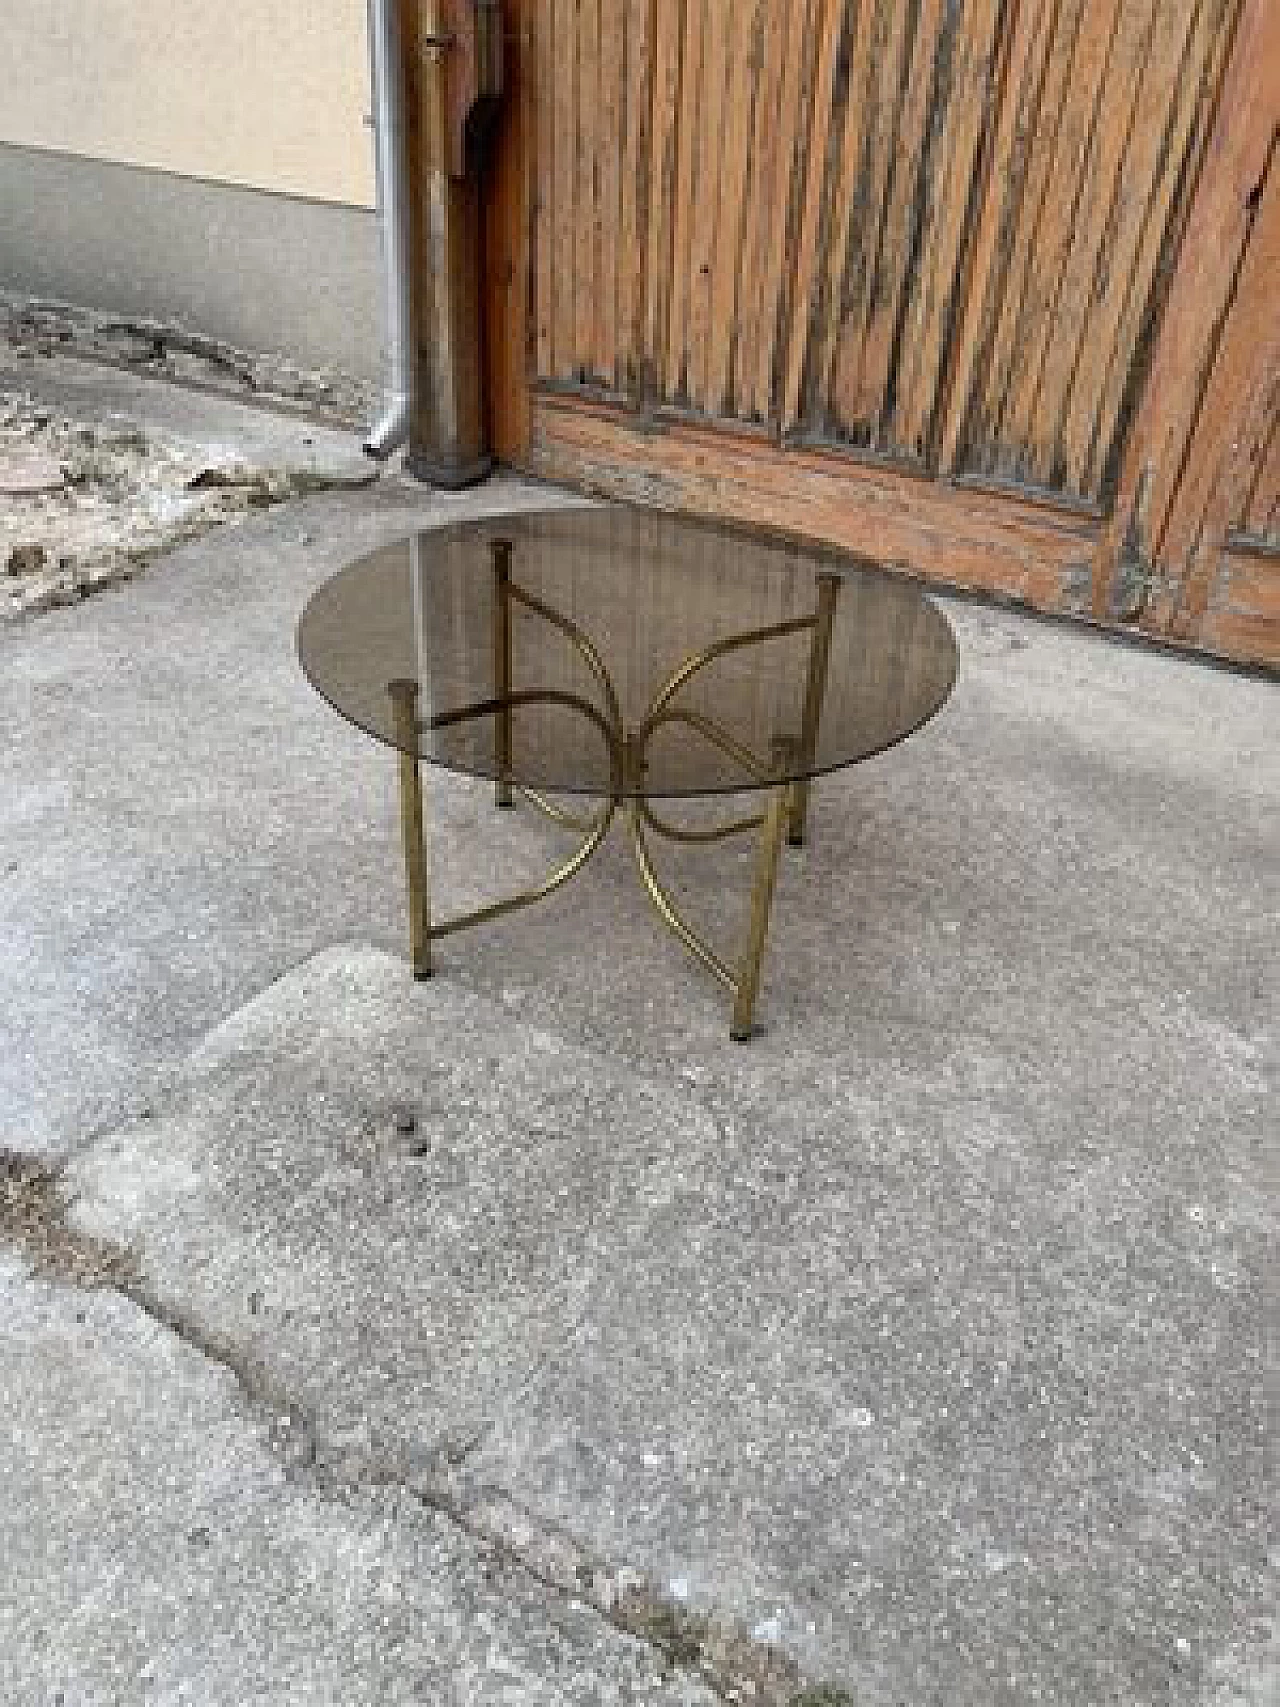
[[719, 1653]]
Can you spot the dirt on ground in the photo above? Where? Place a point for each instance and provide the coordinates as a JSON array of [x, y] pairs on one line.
[[84, 505], [33, 1221]]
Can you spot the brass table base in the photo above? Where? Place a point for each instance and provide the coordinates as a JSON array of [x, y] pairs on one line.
[[784, 813]]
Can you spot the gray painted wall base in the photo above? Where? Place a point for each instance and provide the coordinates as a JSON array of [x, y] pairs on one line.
[[261, 272]]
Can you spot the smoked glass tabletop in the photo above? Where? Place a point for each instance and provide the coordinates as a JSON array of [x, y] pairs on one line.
[[618, 651]]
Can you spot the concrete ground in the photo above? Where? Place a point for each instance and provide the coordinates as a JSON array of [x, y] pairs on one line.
[[516, 1338]]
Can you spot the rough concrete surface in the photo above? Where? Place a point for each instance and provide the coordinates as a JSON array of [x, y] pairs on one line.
[[923, 1340], [911, 1390], [157, 1549]]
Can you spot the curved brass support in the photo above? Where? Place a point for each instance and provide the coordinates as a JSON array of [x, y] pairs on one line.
[[558, 815], [582, 642], [595, 831], [530, 897], [530, 696], [668, 911], [642, 813], [718, 736], [721, 649], [682, 832]]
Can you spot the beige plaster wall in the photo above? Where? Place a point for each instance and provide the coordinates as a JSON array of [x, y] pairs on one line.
[[271, 94]]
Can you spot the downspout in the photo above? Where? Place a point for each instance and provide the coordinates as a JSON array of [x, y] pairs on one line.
[[391, 428]]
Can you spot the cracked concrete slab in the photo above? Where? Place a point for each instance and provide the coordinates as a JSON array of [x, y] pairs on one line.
[[410, 1189], [156, 1549], [945, 1405]]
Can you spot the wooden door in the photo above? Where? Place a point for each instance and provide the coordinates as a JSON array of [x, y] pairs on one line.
[[975, 287]]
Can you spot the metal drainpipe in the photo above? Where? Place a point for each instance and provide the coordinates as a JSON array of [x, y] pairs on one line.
[[391, 428]]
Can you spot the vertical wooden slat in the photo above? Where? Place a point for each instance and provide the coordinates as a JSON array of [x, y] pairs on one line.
[[1047, 108], [1236, 420], [687, 160], [1018, 97], [946, 219], [565, 309], [668, 25], [633, 259], [1216, 231], [587, 222], [711, 162], [1233, 423], [865, 350], [510, 213], [831, 25], [850, 111], [611, 120], [743, 82], [1086, 261], [1066, 187], [885, 101], [1197, 82], [1143, 190], [1261, 516], [787, 45], [765, 142], [542, 98]]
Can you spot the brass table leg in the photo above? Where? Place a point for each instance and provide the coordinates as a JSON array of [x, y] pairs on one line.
[[815, 693], [770, 849], [502, 665], [404, 696]]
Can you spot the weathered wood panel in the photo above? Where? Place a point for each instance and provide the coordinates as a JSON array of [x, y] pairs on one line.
[[1173, 452], [987, 541], [1260, 517], [781, 109], [1243, 616], [995, 243], [949, 175], [810, 167], [519, 197], [813, 177], [1112, 103], [1236, 422]]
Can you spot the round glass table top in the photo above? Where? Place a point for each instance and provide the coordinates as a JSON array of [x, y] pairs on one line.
[[619, 651]]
